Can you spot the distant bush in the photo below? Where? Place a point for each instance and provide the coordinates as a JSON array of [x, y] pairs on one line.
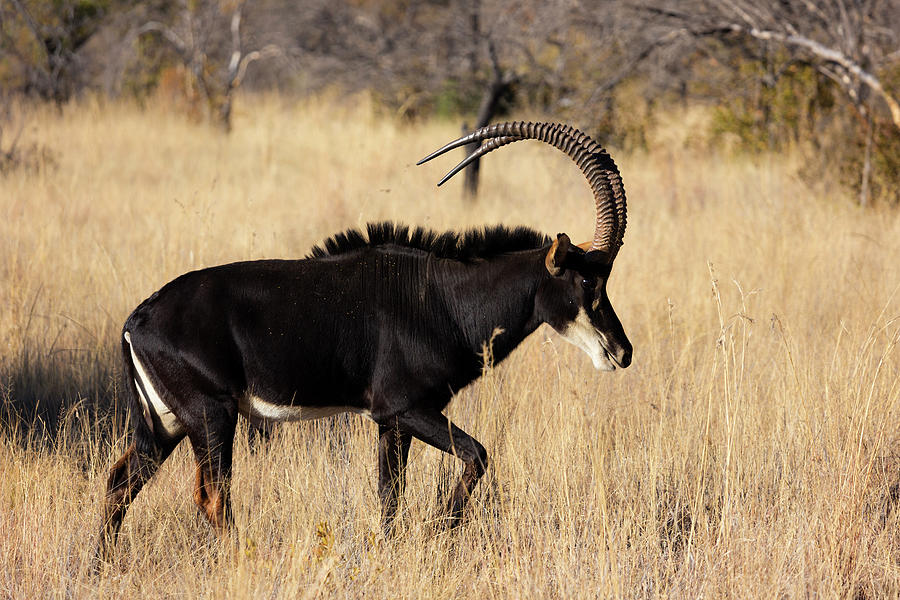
[[794, 108], [884, 178]]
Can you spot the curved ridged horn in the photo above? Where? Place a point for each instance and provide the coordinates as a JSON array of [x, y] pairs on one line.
[[596, 164]]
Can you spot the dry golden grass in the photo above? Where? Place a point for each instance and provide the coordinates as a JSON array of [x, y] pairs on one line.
[[751, 450]]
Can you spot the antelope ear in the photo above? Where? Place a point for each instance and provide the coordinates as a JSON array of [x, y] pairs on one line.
[[557, 254]]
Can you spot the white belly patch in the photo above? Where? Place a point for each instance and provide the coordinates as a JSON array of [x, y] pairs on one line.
[[255, 407], [152, 402]]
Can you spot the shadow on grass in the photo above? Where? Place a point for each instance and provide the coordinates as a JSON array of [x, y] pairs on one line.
[[74, 398], [70, 394]]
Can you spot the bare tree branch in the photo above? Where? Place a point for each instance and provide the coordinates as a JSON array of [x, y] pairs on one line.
[[800, 25], [32, 26], [168, 34], [269, 51], [829, 55]]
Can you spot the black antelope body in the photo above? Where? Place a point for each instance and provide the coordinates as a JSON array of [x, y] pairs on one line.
[[388, 324]]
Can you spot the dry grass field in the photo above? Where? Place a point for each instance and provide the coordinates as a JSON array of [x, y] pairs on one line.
[[752, 450]]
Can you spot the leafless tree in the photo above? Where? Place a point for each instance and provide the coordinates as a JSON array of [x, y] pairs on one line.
[[44, 39], [216, 60], [482, 48], [565, 57], [850, 43], [482, 55]]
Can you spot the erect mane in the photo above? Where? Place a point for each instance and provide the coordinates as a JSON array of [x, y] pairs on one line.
[[465, 246]]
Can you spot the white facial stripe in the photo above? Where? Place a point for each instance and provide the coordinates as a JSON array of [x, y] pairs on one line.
[[152, 404], [256, 407], [581, 333]]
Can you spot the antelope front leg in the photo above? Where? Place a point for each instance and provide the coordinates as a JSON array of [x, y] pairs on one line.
[[393, 451], [436, 430]]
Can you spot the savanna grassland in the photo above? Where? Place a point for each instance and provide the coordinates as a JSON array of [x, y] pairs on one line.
[[751, 450]]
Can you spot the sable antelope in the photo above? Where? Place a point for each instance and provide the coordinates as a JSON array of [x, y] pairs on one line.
[[388, 324]]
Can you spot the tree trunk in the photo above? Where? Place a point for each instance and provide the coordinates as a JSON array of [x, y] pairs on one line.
[[867, 162], [486, 111]]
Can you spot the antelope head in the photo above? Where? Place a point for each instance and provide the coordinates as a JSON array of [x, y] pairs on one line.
[[573, 299]]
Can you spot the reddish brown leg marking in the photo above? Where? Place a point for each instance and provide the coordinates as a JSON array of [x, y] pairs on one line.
[[460, 497], [212, 498], [126, 478], [117, 491], [213, 443]]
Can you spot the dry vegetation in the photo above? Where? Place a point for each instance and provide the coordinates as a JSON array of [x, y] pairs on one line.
[[752, 449]]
